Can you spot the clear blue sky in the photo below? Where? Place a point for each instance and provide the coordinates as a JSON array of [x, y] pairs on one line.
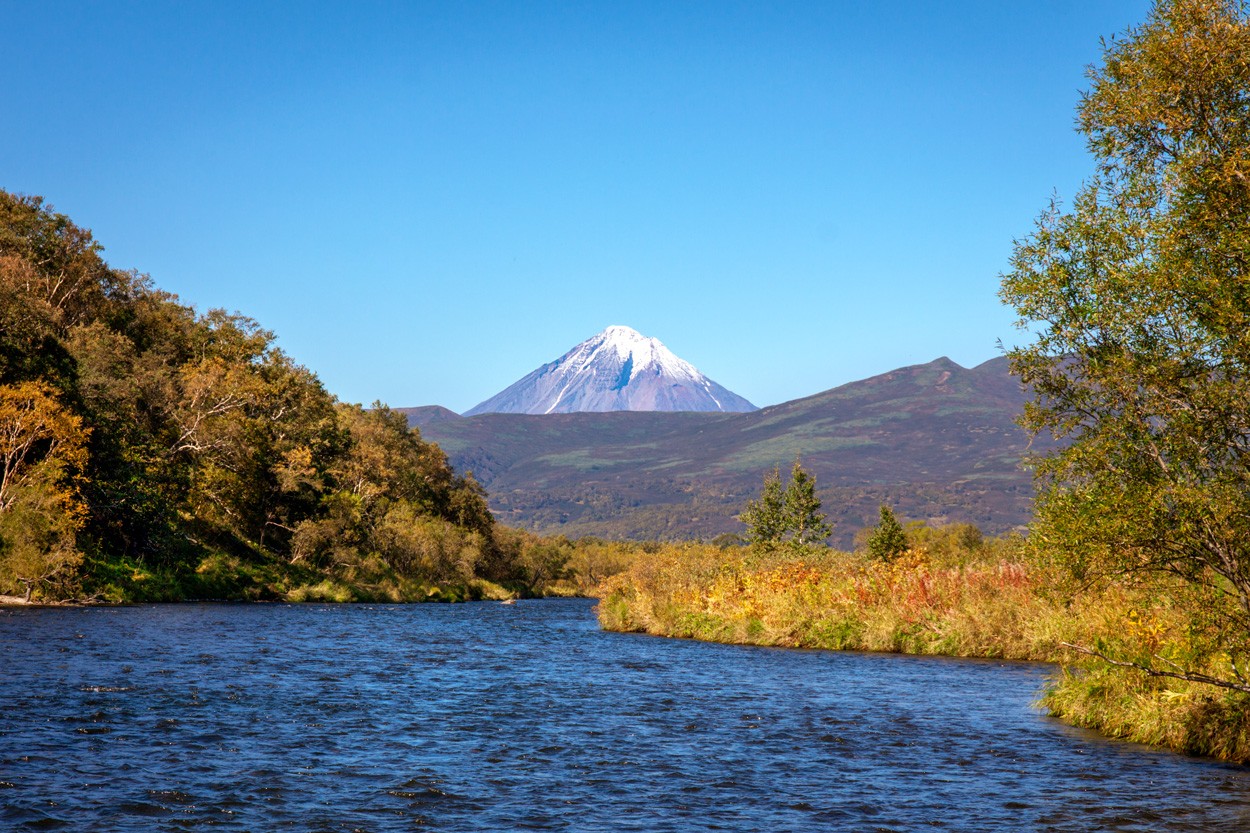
[[428, 200]]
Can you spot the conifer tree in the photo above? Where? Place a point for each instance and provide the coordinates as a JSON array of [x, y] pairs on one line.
[[764, 517], [789, 515], [888, 540], [805, 523]]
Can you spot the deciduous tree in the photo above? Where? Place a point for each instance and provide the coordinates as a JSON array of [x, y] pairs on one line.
[[1139, 299], [42, 451]]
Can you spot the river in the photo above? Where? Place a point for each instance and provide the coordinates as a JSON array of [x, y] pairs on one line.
[[527, 717]]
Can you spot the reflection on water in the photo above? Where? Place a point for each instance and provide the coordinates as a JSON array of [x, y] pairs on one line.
[[507, 717]]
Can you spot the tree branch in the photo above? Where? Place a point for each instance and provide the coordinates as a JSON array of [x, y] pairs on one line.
[[1189, 676]]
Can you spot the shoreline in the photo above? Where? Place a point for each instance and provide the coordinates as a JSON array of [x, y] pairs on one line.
[[18, 601], [963, 606]]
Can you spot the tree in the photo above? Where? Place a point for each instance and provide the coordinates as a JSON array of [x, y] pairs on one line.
[[804, 522], [1139, 296], [888, 540], [42, 451], [788, 515], [765, 517]]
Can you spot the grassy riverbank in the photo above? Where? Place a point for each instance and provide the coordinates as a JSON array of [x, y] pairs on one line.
[[988, 602]]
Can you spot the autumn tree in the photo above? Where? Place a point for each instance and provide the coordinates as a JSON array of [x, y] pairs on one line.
[[42, 452], [390, 494], [1138, 296]]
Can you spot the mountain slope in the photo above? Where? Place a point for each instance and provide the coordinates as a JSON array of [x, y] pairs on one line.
[[937, 441], [617, 370]]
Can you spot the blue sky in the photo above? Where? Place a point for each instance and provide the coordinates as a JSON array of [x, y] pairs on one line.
[[425, 201]]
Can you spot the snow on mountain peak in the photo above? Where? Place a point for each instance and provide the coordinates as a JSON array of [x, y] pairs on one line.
[[644, 351], [618, 369]]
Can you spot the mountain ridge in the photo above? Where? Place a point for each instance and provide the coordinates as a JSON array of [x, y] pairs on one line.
[[936, 441]]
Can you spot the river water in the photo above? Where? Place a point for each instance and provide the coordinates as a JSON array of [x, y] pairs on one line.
[[527, 717]]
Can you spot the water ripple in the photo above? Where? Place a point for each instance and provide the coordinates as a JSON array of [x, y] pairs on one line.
[[527, 717]]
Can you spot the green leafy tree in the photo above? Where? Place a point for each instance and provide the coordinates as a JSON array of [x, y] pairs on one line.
[[887, 540], [1139, 299], [789, 515]]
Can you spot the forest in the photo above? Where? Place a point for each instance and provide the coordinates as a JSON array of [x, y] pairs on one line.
[[149, 452]]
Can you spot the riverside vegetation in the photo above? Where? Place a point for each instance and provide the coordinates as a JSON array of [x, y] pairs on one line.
[[953, 593], [1136, 570]]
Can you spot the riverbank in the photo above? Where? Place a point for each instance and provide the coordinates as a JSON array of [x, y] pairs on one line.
[[259, 577], [993, 603], [532, 567]]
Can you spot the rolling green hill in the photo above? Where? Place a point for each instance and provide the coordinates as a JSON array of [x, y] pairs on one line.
[[937, 441]]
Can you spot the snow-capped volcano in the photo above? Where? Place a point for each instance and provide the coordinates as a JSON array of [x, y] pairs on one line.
[[619, 369]]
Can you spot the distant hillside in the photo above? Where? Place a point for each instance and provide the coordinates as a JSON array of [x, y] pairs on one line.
[[937, 441], [428, 414]]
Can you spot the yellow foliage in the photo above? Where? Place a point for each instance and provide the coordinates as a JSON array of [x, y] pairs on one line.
[[42, 455], [35, 431]]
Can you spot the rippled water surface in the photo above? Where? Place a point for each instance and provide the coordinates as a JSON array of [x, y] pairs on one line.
[[514, 717]]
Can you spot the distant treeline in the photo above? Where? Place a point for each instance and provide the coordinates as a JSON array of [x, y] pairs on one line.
[[151, 452]]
